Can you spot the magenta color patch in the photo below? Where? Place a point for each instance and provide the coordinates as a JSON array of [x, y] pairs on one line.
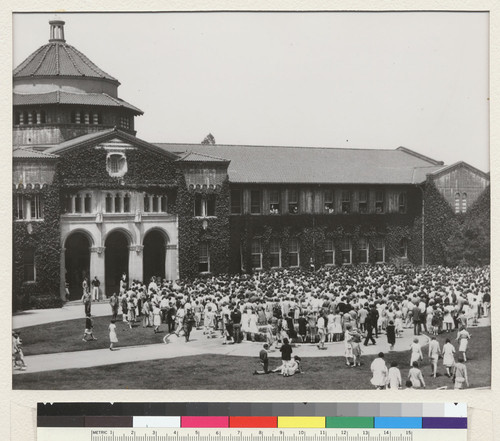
[[205, 421]]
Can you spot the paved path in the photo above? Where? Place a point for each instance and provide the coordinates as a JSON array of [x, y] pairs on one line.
[[199, 345]]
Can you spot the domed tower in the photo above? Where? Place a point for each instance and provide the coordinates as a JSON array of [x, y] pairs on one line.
[[59, 94]]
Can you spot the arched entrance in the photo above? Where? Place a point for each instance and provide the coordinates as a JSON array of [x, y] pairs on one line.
[[153, 263], [115, 260], [77, 263]]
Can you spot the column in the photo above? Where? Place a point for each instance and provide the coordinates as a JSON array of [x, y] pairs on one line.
[[62, 274], [135, 262], [172, 263], [97, 268]]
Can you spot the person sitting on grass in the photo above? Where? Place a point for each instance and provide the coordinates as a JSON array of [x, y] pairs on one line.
[[88, 333], [17, 352], [294, 366], [264, 361]]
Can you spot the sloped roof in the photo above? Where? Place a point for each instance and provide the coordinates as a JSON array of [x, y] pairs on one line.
[[312, 165], [59, 59], [27, 153], [458, 164], [198, 157], [102, 136], [62, 97]]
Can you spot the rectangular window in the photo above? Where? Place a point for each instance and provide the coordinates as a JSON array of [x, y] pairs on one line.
[[118, 203], [36, 207], [379, 247], [256, 250], [275, 251], [147, 208], [457, 203], [210, 205], [29, 274], [402, 202], [87, 203], [19, 207], [293, 252], [346, 251], [329, 202], [125, 122], [236, 201], [156, 204], [198, 205], [68, 204], [379, 202], [126, 203], [346, 202], [204, 258], [274, 202], [109, 203], [255, 204], [363, 250], [464, 202], [163, 204], [78, 204], [363, 201], [403, 248], [114, 163], [329, 252], [293, 201]]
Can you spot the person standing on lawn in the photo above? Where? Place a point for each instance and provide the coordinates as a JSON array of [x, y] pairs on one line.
[[434, 351], [416, 352], [460, 374], [448, 357], [113, 302], [379, 372], [87, 302], [188, 321], [321, 331], [391, 335], [416, 377], [394, 377], [89, 329], [463, 337], [112, 335], [370, 323]]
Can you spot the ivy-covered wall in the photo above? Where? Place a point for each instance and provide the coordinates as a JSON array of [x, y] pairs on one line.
[[43, 238], [192, 233]]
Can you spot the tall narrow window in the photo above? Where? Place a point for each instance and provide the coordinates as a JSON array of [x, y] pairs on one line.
[[329, 252], [126, 203], [379, 246], [255, 204], [402, 202], [256, 251], [73, 117], [155, 204], [293, 252], [235, 201], [275, 252], [346, 251], [118, 203], [346, 201], [147, 207], [464, 202], [204, 258], [109, 203], [210, 205], [329, 202], [19, 207], [78, 203], [29, 272], [198, 205], [274, 202], [293, 201], [68, 204], [457, 202], [363, 250], [43, 118], [17, 118], [114, 163], [363, 201], [36, 207], [379, 202], [87, 203], [33, 116], [25, 117], [163, 204]]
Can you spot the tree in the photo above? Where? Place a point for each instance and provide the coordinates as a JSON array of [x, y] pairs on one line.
[[209, 140]]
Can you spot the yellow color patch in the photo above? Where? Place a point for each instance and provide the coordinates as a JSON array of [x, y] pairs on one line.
[[301, 422]]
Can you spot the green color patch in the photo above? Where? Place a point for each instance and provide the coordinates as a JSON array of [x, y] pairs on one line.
[[349, 422]]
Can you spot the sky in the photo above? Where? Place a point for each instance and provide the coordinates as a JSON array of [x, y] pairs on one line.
[[323, 79]]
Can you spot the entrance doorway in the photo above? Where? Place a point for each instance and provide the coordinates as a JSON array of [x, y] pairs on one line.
[[77, 263], [153, 263], [115, 261]]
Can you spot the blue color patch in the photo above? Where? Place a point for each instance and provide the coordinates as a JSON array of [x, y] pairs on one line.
[[397, 423]]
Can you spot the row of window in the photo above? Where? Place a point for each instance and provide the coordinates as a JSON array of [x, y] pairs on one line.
[[31, 117], [84, 117], [293, 207], [460, 203], [28, 207], [114, 203], [275, 251]]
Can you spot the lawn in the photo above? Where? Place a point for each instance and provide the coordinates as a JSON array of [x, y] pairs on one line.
[[231, 372], [66, 336]]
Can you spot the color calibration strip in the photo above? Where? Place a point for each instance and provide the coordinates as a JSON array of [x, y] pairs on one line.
[[260, 415]]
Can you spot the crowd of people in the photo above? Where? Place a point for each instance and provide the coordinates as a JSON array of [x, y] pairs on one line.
[[353, 304]]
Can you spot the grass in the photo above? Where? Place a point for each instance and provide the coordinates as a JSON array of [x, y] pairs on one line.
[[66, 336], [231, 372]]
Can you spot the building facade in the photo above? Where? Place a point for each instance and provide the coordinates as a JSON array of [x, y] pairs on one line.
[[92, 199]]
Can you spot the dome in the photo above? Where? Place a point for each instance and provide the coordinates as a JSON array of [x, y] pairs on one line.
[[57, 58]]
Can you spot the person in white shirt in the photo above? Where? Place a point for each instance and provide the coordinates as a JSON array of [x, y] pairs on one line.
[[379, 372], [434, 351]]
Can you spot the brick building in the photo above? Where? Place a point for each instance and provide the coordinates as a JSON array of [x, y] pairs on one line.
[[92, 199]]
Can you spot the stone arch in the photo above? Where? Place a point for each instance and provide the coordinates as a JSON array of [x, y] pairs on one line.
[[154, 243]]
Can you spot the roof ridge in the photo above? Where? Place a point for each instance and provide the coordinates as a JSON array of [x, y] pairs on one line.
[[202, 154], [89, 63], [42, 59], [23, 65], [72, 60]]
